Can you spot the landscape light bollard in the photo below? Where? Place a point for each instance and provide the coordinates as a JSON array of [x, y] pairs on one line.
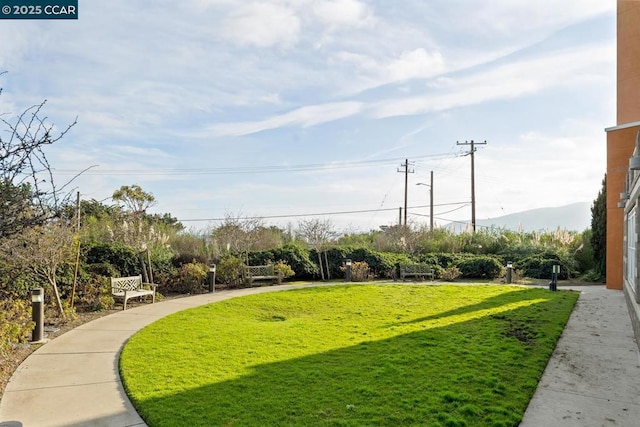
[[347, 270], [37, 314], [553, 285], [212, 278], [509, 272]]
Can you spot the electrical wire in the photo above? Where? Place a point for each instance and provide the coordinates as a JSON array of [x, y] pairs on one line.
[[318, 213], [248, 169]]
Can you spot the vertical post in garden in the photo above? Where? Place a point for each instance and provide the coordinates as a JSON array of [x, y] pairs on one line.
[[37, 314], [212, 278], [553, 286], [431, 204], [347, 270]]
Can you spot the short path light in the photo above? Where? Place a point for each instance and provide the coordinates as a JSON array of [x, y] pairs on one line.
[[553, 285], [212, 278], [509, 271], [347, 270], [37, 314]]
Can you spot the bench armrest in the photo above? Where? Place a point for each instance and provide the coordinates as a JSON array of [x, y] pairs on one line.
[[151, 286]]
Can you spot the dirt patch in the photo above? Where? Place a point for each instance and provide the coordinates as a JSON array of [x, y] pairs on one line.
[[522, 333]]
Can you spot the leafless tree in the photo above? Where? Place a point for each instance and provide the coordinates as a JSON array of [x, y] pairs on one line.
[[239, 235], [40, 251], [318, 233], [28, 195]]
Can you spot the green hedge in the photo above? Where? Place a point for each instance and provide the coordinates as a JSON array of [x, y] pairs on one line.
[[123, 258], [480, 267], [296, 256], [540, 266]]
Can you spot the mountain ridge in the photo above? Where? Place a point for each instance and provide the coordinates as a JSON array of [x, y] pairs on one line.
[[572, 217]]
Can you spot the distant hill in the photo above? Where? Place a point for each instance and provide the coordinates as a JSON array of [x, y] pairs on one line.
[[573, 217]]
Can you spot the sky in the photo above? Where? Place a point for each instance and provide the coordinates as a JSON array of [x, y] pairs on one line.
[[283, 109]]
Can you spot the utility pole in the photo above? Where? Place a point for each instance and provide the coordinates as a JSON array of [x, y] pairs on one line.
[[473, 180], [430, 200], [78, 212], [406, 184], [431, 204]]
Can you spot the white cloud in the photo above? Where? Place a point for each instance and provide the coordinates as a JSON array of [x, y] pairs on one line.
[[304, 117], [510, 80], [506, 81], [417, 63], [262, 25], [350, 13]]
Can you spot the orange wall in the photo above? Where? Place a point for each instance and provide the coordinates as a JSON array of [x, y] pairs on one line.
[[620, 143], [628, 61], [620, 146]]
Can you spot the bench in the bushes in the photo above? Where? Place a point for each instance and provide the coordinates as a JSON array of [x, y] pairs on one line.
[[131, 287], [261, 272], [416, 271]]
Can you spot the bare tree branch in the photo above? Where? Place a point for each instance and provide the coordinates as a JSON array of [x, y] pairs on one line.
[[28, 194]]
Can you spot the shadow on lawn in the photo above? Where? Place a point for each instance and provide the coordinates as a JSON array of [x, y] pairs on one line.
[[514, 296], [471, 373]]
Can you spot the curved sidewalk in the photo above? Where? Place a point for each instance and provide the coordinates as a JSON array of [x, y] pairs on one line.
[[73, 380], [592, 379]]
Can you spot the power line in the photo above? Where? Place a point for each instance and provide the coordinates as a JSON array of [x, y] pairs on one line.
[[318, 213], [235, 170]]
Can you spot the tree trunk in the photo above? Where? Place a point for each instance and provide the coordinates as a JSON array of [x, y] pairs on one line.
[[75, 274], [326, 260], [320, 264], [54, 285]]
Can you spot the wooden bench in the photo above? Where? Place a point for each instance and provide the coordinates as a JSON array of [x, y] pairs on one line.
[[415, 270], [132, 287], [261, 272]]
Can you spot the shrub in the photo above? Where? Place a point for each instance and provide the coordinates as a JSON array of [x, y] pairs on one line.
[[283, 269], [360, 271], [229, 271], [105, 302], [94, 292], [15, 322], [122, 258], [186, 258], [192, 277], [481, 267], [593, 276], [540, 266], [102, 269], [450, 274]]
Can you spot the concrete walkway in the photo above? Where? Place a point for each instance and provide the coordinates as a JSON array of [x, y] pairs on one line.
[[73, 380], [593, 378]]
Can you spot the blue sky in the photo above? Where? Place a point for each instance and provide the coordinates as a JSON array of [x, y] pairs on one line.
[[287, 107]]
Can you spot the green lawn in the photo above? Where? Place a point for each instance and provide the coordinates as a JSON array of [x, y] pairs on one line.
[[354, 355]]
